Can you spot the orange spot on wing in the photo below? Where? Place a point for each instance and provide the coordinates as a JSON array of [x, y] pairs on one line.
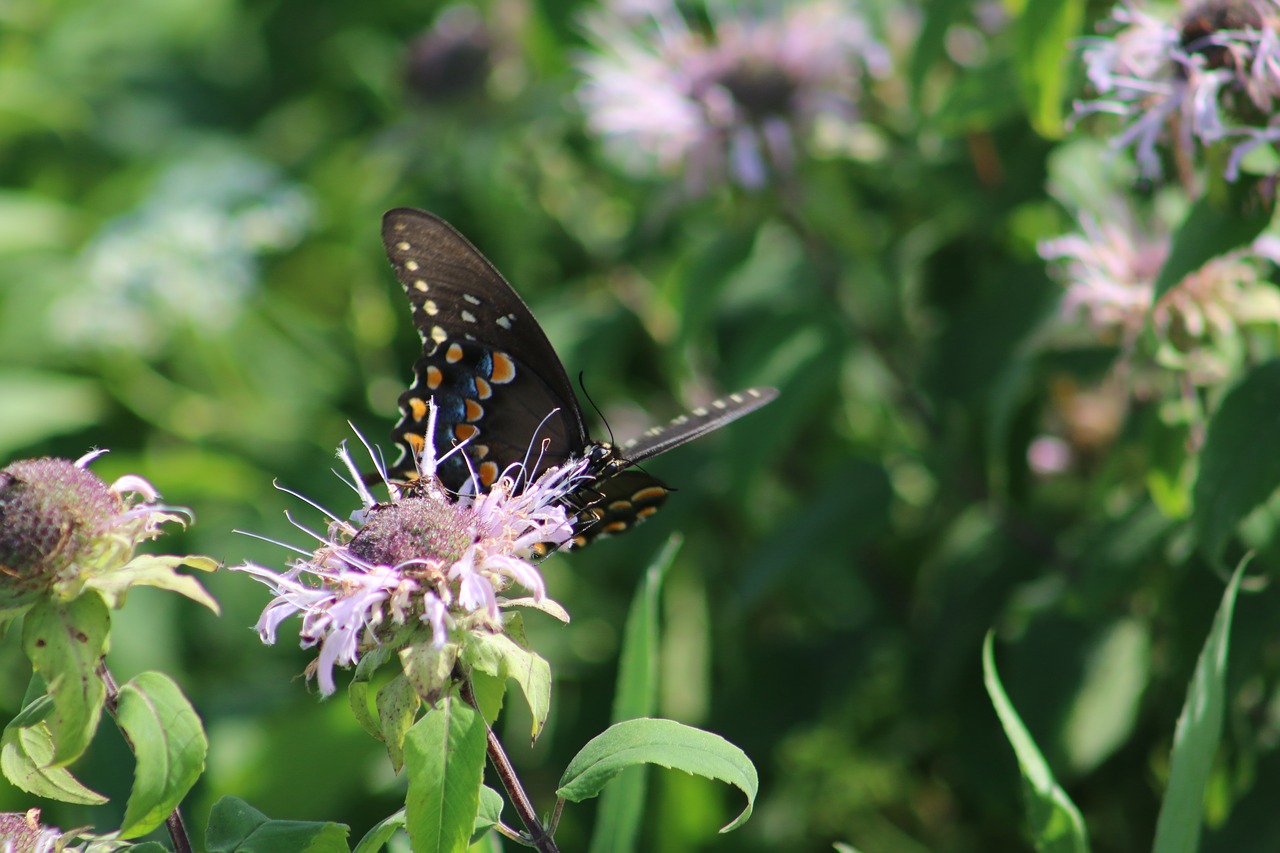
[[483, 389], [504, 369], [453, 354], [488, 473], [464, 431], [475, 411], [434, 378], [417, 409]]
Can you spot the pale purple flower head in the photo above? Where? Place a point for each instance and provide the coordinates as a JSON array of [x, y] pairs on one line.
[[731, 102], [1110, 269], [425, 559], [1211, 76]]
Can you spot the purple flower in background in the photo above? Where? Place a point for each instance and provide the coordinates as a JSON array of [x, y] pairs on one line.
[[1214, 75], [729, 101], [1110, 270]]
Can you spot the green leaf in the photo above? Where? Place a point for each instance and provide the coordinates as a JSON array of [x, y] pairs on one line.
[[1240, 462], [169, 744], [429, 669], [500, 656], [490, 814], [1055, 822], [65, 642], [398, 704], [444, 754], [1195, 741], [156, 571], [1212, 228], [1044, 34], [377, 838], [358, 690], [489, 692], [26, 750], [237, 827], [667, 744], [617, 823]]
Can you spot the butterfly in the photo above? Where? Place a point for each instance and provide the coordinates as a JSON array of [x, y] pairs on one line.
[[502, 393]]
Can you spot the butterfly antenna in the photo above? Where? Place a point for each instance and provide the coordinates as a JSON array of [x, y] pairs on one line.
[[603, 419]]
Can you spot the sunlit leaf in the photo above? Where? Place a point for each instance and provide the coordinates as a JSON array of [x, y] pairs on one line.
[[26, 753], [665, 743], [65, 642], [444, 755], [169, 744]]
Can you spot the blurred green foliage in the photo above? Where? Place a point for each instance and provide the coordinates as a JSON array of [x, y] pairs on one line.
[[191, 276]]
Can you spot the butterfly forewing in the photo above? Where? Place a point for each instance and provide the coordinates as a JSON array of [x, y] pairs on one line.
[[700, 421], [494, 376]]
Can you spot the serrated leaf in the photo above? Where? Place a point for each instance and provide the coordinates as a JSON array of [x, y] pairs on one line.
[[1195, 740], [397, 704], [444, 756], [1212, 228], [500, 656], [237, 827], [665, 743], [170, 746], [65, 642], [618, 818], [1044, 35], [1240, 462], [1054, 821], [26, 750], [160, 572]]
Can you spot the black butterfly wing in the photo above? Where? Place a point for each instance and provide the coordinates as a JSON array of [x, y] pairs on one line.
[[699, 422], [620, 496], [494, 376]]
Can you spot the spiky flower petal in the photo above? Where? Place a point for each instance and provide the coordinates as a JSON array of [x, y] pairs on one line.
[[1211, 76], [425, 559]]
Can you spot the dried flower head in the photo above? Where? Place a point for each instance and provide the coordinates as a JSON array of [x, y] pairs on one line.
[[729, 102], [62, 527], [1213, 75], [424, 560]]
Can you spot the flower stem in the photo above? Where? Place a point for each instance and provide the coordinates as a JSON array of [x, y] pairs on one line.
[[177, 830], [538, 837]]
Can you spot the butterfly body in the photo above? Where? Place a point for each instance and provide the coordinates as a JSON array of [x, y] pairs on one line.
[[502, 393]]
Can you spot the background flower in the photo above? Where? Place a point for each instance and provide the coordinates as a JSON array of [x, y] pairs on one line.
[[734, 101]]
